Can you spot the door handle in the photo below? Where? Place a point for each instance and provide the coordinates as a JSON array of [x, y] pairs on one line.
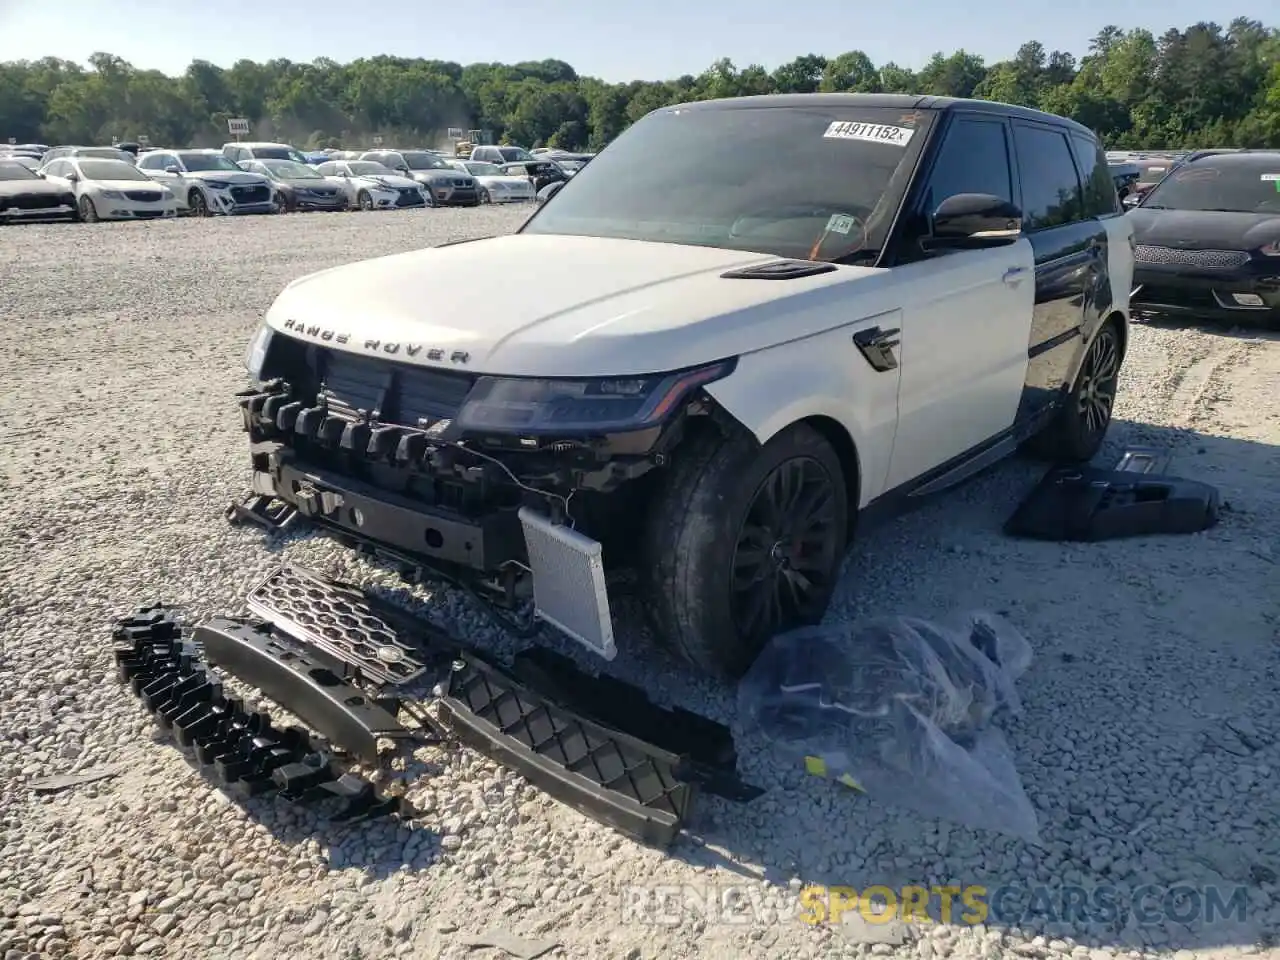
[[877, 347], [1014, 275]]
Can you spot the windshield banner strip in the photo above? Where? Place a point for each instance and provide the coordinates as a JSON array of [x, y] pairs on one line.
[[869, 133]]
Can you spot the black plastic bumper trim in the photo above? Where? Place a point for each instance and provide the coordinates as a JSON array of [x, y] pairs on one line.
[[238, 747], [608, 775], [288, 673]]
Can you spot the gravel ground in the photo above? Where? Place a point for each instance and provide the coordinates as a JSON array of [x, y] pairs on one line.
[[1148, 743]]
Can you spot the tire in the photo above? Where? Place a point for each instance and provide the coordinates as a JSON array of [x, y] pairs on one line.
[[88, 212], [364, 200], [1078, 429], [485, 196], [282, 203], [197, 204], [698, 543], [344, 205]]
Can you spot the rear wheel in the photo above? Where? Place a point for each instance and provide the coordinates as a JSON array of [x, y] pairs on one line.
[[1076, 432], [744, 542], [88, 212]]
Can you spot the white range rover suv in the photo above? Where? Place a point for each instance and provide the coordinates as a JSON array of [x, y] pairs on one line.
[[751, 321]]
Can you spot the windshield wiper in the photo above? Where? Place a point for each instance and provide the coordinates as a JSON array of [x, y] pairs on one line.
[[857, 256]]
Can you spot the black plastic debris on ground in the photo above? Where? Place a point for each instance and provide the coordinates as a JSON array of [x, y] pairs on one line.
[[238, 747], [1087, 504]]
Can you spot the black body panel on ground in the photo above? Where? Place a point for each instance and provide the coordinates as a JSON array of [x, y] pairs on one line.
[[345, 663]]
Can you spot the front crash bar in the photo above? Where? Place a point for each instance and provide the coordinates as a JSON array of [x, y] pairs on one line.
[[288, 672]]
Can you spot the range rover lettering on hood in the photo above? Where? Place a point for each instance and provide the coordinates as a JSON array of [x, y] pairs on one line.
[[314, 331]]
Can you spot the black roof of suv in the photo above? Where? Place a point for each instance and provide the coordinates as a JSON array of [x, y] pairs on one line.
[[900, 101]]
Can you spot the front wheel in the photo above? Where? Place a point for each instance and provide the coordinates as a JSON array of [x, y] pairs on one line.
[[88, 212], [1077, 430], [197, 204], [364, 200], [486, 196], [744, 542], [282, 203]]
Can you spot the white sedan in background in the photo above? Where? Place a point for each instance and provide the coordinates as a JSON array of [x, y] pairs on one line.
[[111, 189], [373, 186], [495, 185]]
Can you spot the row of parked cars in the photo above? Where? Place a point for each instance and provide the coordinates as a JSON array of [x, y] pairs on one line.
[[125, 182]]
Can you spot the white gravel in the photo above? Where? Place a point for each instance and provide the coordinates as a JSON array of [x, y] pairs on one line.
[[1149, 743]]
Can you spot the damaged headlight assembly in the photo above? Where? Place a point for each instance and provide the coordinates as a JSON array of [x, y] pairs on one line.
[[598, 405]]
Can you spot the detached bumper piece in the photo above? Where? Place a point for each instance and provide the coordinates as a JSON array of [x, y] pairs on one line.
[[1088, 505], [238, 747], [617, 779]]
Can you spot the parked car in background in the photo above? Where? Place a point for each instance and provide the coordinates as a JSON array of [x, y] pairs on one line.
[[371, 186], [539, 172], [496, 186], [239, 152], [26, 196], [205, 182], [569, 162], [26, 160], [1151, 170], [99, 153], [1208, 240], [500, 155], [111, 189], [298, 186], [447, 185]]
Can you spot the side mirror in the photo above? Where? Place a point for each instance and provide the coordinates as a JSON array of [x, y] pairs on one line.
[[72, 177], [171, 168], [974, 221], [1131, 199], [552, 190]]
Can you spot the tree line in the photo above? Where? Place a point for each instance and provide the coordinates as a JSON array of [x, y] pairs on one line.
[[1203, 86]]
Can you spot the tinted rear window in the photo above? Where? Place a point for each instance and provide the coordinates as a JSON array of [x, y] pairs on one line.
[[1225, 184]]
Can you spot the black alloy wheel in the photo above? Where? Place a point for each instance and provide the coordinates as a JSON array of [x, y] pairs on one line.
[[1098, 377], [786, 549], [88, 212], [364, 200], [197, 204]]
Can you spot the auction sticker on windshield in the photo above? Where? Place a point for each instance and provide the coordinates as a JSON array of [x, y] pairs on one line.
[[869, 132]]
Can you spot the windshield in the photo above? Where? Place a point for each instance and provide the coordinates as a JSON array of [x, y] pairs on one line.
[[818, 183], [415, 160], [207, 161], [1152, 172], [511, 154], [367, 168], [288, 170], [15, 171], [478, 168], [110, 170], [1225, 184], [277, 153]]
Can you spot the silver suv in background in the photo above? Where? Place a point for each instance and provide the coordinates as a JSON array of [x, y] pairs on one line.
[[206, 182], [240, 152]]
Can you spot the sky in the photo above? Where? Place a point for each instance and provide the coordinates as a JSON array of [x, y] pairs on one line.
[[618, 41]]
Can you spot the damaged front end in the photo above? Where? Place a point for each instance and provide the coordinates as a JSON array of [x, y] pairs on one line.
[[518, 483]]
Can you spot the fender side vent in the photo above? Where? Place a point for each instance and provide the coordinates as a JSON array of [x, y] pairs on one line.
[[780, 270]]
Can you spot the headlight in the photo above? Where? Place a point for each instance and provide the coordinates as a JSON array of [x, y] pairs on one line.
[[608, 404], [111, 195], [1270, 249], [256, 355]]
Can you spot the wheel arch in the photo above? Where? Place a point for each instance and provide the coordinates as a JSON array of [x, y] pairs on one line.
[[834, 432]]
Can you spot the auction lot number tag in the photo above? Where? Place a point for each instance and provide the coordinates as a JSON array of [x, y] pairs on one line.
[[869, 132]]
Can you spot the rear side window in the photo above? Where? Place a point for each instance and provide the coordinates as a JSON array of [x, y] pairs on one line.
[[974, 159], [1051, 192], [1100, 197]]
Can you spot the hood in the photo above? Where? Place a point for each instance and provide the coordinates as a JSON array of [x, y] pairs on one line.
[[38, 188], [241, 177], [130, 186], [569, 306], [1204, 230], [322, 184], [395, 182]]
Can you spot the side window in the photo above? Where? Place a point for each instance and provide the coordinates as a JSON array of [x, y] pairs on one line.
[[1051, 193], [59, 168], [974, 159], [148, 163], [1100, 196]]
